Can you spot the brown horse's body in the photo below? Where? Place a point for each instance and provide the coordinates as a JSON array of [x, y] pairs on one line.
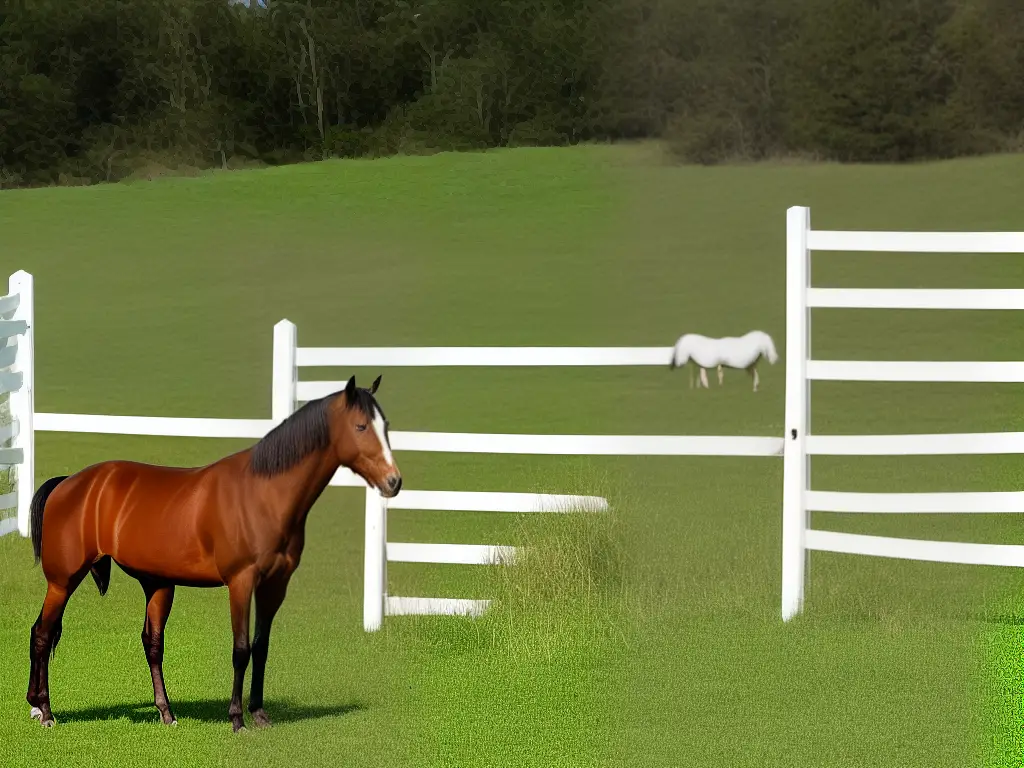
[[239, 522], [191, 527]]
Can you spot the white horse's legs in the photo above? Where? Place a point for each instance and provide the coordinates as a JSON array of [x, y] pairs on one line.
[[704, 378], [721, 375], [690, 369], [752, 370]]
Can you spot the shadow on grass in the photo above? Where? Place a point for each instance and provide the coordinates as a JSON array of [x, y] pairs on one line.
[[204, 710]]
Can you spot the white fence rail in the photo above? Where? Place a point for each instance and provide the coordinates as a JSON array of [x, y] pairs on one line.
[[475, 357], [377, 603], [900, 370], [434, 606], [17, 370], [454, 554], [911, 242], [916, 298], [955, 502], [948, 444], [916, 549], [801, 370], [154, 426], [588, 445]]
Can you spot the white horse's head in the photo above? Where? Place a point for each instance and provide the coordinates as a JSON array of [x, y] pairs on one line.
[[768, 347], [682, 350]]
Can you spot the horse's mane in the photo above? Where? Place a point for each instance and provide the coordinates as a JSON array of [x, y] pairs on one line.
[[304, 432]]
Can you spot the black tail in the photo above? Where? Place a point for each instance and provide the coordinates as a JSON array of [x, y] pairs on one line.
[[101, 573], [36, 508], [56, 638]]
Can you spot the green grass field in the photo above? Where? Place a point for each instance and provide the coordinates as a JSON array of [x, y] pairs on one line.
[[659, 643]]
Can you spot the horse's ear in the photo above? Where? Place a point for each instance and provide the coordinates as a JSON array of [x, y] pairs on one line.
[[350, 389], [376, 383]]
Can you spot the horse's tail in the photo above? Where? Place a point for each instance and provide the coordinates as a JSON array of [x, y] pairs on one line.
[[769, 347], [36, 512], [101, 574]]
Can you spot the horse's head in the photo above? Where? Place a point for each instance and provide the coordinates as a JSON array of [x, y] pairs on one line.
[[359, 433], [769, 348], [681, 351]]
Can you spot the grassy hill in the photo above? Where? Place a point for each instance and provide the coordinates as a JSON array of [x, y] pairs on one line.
[[659, 643]]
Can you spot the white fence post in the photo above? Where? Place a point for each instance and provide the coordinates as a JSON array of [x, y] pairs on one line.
[[375, 562], [285, 373], [23, 401], [795, 460]]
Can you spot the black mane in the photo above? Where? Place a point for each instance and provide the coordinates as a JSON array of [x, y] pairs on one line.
[[304, 432]]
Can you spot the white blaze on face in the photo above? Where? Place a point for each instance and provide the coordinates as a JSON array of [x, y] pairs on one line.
[[378, 428]]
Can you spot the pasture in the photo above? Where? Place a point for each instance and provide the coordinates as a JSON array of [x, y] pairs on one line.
[[659, 641]]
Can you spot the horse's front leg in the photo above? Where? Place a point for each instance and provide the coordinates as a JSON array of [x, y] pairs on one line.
[[704, 378], [752, 370], [721, 375], [240, 590], [269, 597]]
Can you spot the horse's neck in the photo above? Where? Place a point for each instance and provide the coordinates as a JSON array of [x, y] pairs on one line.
[[307, 482]]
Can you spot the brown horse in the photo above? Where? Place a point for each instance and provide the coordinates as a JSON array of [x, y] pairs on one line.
[[239, 522]]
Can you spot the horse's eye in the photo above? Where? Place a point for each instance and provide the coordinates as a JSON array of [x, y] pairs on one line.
[[360, 427]]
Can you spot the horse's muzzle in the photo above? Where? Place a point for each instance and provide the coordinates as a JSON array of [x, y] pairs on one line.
[[391, 486]]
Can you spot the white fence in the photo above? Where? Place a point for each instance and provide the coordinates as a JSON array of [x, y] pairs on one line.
[[289, 391], [17, 442], [798, 499], [797, 445]]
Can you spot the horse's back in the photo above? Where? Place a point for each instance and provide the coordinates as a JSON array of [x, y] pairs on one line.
[[699, 348], [149, 518], [733, 351], [738, 351]]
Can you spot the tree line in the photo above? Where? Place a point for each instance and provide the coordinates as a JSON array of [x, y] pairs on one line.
[[89, 88]]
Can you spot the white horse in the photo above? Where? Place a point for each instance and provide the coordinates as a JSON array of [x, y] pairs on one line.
[[732, 351]]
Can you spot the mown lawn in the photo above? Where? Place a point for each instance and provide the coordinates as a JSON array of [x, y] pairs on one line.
[[660, 642]]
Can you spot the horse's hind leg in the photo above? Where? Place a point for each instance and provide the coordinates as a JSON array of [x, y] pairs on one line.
[[159, 599], [44, 638], [704, 378], [721, 375]]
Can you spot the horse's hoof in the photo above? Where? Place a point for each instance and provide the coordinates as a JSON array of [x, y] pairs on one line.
[[36, 713], [260, 719], [49, 723], [174, 722]]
